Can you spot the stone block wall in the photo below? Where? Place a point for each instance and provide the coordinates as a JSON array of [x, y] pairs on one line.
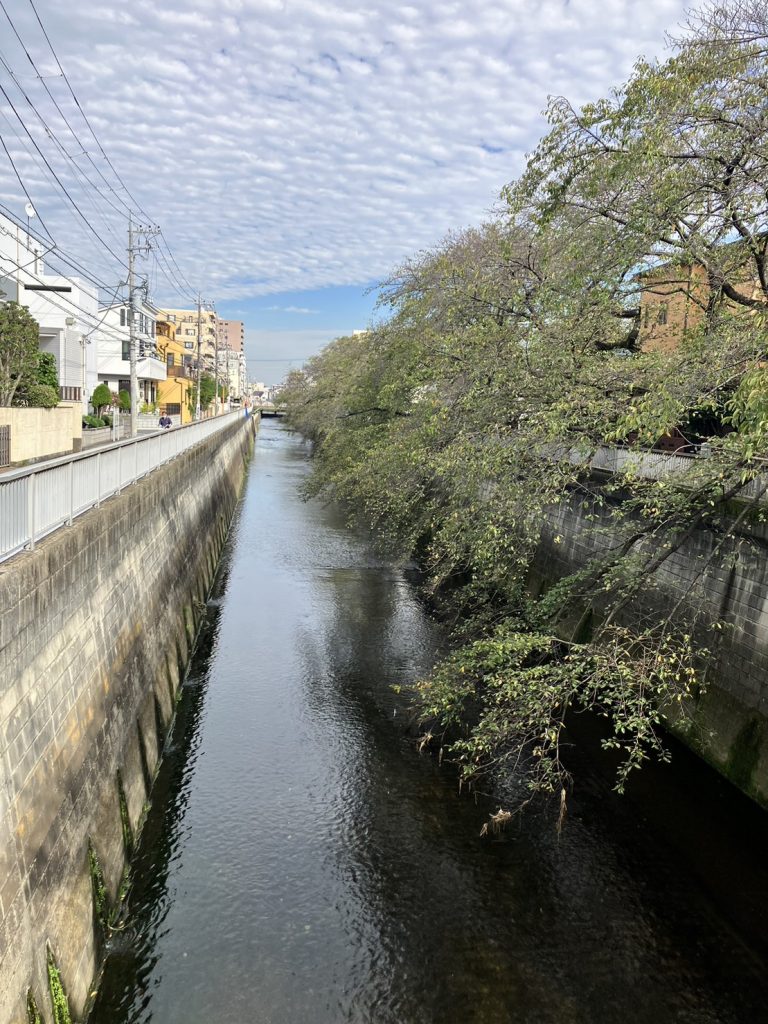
[[725, 580], [96, 628]]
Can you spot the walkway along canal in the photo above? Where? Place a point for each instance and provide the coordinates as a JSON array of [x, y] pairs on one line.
[[302, 863]]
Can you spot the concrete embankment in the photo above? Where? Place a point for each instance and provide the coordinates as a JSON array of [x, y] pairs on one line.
[[724, 581], [97, 628]]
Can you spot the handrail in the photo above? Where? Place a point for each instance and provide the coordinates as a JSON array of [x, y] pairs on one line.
[[36, 500]]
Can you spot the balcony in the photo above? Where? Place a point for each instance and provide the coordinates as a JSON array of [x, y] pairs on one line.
[[181, 371]]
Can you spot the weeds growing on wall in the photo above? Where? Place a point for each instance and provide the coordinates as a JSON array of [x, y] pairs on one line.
[[125, 820], [101, 906], [59, 1001], [33, 1014]]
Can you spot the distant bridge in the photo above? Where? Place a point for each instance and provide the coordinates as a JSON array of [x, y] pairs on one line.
[[270, 409]]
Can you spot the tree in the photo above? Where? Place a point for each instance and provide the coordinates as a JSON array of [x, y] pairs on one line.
[[207, 393], [124, 398], [510, 353], [100, 398], [19, 354]]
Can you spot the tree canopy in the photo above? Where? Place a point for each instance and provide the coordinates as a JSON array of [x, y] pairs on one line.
[[507, 356], [19, 353]]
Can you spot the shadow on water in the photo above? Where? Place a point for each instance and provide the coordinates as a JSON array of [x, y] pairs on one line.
[[303, 863], [125, 989]]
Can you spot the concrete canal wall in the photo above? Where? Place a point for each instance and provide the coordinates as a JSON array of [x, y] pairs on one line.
[[97, 627], [726, 581]]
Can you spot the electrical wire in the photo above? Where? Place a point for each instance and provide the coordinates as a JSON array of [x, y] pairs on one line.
[[59, 182], [179, 276]]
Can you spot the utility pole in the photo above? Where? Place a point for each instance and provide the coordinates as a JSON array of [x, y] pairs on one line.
[[216, 363], [199, 343], [134, 249], [132, 333]]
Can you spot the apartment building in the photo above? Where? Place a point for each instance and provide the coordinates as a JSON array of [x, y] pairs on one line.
[[184, 323], [113, 342], [675, 296], [231, 338]]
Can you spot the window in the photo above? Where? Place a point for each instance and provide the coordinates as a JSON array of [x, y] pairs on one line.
[[189, 344], [126, 350], [169, 360], [122, 316], [172, 409], [189, 330], [662, 317]]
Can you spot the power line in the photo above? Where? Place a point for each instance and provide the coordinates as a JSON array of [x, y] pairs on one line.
[[59, 182], [167, 263]]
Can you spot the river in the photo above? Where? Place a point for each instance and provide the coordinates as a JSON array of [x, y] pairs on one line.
[[301, 861]]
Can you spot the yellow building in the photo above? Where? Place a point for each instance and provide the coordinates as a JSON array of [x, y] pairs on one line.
[[173, 393], [183, 327]]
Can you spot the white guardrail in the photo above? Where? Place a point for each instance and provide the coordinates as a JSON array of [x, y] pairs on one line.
[[38, 499]]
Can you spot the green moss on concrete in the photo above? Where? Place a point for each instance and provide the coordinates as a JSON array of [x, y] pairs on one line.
[[59, 1001], [101, 909], [125, 820], [33, 1014]]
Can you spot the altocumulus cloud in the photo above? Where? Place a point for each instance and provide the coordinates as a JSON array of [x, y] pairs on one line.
[[292, 144]]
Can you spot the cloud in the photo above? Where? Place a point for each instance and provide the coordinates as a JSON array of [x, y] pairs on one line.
[[291, 146], [302, 310]]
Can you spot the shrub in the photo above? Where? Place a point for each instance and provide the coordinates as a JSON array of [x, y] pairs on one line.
[[47, 373], [101, 396], [42, 396], [93, 421], [125, 400]]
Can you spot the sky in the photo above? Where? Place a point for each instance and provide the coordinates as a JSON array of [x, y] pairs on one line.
[[294, 152]]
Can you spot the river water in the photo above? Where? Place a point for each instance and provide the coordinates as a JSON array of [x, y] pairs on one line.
[[303, 863]]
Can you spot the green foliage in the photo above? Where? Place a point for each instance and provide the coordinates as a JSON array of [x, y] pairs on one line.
[[19, 354], [93, 421], [101, 908], [124, 400], [207, 393], [100, 398], [41, 396], [47, 372], [33, 1014], [507, 356], [59, 1001]]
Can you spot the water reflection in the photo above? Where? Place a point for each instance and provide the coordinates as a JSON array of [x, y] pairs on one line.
[[303, 863]]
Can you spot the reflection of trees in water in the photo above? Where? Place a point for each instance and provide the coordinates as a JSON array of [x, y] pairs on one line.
[[125, 991], [436, 929], [532, 927]]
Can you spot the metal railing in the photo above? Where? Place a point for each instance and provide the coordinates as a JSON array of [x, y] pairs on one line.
[[39, 499]]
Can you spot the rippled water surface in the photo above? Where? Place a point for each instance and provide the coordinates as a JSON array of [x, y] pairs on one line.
[[302, 863]]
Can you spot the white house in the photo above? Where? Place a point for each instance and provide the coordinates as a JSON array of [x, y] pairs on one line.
[[65, 308], [114, 350]]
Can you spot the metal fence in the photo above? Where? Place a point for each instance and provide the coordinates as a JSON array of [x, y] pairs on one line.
[[5, 444], [39, 499]]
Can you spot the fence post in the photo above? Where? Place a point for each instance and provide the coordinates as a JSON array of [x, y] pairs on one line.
[[31, 511], [71, 493], [98, 480]]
